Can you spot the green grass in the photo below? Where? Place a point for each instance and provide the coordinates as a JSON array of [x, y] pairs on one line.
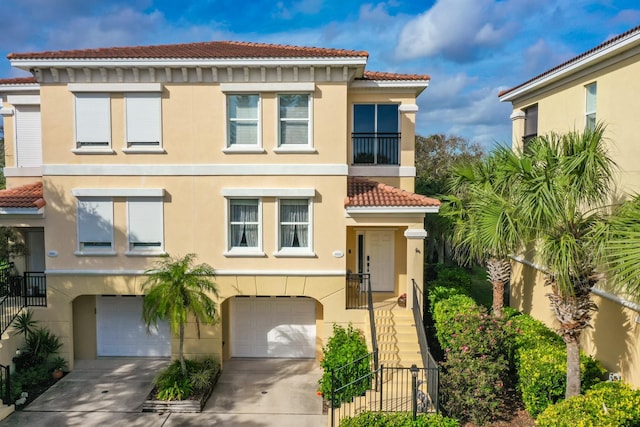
[[481, 290]]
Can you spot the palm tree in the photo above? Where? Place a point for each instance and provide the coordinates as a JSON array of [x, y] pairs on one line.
[[176, 289], [563, 183], [483, 211]]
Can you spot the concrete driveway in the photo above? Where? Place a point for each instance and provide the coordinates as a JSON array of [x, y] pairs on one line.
[[110, 391]]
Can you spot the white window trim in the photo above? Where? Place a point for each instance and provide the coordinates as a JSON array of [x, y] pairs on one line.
[[152, 251], [135, 147], [588, 112], [82, 251], [294, 252], [295, 148], [243, 148], [239, 251]]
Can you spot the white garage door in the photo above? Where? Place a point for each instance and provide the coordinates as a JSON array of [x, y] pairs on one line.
[[121, 331], [273, 327]]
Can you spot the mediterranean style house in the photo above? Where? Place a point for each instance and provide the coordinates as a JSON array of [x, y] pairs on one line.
[[600, 85], [288, 169]]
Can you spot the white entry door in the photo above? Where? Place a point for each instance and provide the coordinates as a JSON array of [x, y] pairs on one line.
[[379, 259], [273, 327], [121, 331]]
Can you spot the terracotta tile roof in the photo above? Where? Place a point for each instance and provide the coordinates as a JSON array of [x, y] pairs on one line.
[[377, 75], [366, 193], [208, 50], [26, 196], [602, 46], [18, 81]]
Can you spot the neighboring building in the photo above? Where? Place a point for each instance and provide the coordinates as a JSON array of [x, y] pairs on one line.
[[600, 85], [285, 168]]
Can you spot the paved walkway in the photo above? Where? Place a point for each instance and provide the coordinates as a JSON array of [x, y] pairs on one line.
[[110, 392]]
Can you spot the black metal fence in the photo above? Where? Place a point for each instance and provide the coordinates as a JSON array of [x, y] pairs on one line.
[[433, 380], [19, 291], [376, 148], [357, 286]]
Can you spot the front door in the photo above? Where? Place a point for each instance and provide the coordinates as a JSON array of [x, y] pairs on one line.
[[378, 259]]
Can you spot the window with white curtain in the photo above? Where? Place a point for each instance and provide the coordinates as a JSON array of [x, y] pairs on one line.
[[144, 120], [95, 225], [243, 112], [295, 230], [93, 120], [145, 225], [244, 225], [590, 110], [294, 118]]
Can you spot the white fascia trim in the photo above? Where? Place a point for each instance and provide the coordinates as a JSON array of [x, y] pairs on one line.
[[417, 84], [408, 108], [118, 192], [27, 171], [388, 171], [392, 210], [26, 64], [268, 87], [6, 112], [268, 192], [23, 99], [197, 170], [30, 212], [572, 67], [114, 87], [28, 87], [415, 233], [63, 272]]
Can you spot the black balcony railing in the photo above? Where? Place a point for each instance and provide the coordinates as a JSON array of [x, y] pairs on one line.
[[357, 287], [376, 148], [19, 291]]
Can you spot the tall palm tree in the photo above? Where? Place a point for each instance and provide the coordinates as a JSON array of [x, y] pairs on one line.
[[176, 289], [563, 185], [485, 229]]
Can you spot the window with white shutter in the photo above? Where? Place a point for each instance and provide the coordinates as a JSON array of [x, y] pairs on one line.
[[144, 120], [243, 126], [95, 225], [145, 225], [93, 120], [28, 136], [294, 112]]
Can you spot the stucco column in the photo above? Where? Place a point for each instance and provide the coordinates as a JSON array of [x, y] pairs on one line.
[[415, 262], [517, 128]]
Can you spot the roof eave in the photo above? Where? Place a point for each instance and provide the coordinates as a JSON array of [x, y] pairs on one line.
[[23, 212], [415, 85], [572, 67], [20, 87], [351, 210]]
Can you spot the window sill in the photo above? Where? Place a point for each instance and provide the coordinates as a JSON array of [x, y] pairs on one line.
[[295, 150], [93, 151], [145, 253], [294, 253], [85, 253], [151, 150], [234, 253], [244, 150]]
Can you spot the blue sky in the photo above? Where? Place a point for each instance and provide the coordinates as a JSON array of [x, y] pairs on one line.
[[472, 49]]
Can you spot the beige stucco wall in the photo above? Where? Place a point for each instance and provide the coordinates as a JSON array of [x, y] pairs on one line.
[[614, 338]]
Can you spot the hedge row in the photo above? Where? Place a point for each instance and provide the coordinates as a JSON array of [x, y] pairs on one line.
[[398, 419]]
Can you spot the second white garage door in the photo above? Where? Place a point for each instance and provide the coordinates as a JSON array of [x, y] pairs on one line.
[[121, 331], [273, 327]]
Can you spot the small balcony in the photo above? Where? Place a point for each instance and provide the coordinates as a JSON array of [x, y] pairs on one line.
[[376, 148]]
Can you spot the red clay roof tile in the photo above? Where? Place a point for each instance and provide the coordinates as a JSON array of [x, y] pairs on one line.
[[25, 196], [18, 81], [378, 75], [366, 193], [208, 50]]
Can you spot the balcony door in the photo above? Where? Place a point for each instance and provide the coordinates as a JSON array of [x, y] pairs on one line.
[[376, 257], [376, 137]]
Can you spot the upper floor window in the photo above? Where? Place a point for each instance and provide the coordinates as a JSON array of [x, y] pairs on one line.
[[28, 136], [93, 121], [95, 226], [145, 225], [376, 136], [590, 110], [530, 123], [144, 120], [294, 119], [294, 234], [243, 128], [244, 226]]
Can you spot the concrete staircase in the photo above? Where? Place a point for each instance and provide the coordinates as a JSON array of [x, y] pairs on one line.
[[397, 337]]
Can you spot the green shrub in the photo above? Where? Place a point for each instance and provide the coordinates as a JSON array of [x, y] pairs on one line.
[[445, 312], [542, 375], [440, 293], [476, 371], [171, 384], [608, 404], [454, 277], [343, 348], [34, 379], [398, 419]]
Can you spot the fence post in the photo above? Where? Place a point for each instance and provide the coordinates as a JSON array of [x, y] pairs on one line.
[[380, 393], [414, 386], [333, 391]]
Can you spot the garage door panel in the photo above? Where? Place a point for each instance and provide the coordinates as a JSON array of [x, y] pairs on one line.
[[273, 327], [121, 331]]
